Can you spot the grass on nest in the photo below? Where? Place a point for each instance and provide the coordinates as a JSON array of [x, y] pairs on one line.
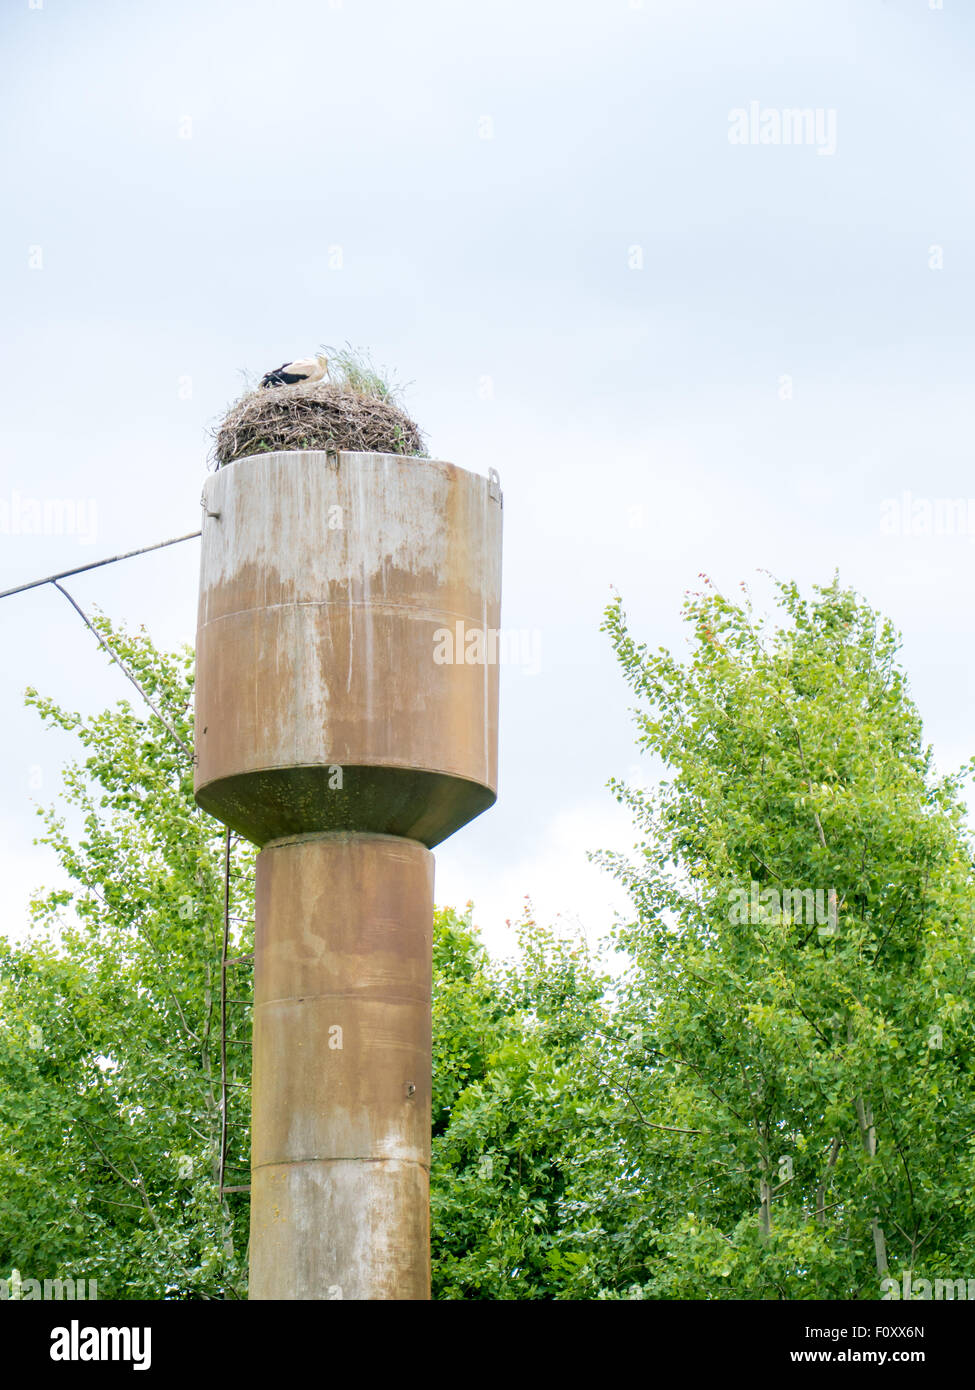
[[353, 368]]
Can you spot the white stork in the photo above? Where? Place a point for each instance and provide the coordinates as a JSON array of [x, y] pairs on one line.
[[289, 373]]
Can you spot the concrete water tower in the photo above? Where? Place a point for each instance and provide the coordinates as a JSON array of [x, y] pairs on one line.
[[346, 722]]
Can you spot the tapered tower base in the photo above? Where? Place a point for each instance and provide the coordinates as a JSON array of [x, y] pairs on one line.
[[341, 1088]]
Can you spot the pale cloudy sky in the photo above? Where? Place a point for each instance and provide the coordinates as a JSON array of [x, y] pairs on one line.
[[681, 353]]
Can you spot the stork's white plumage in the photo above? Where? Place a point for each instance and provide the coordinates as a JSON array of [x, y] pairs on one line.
[[302, 369]]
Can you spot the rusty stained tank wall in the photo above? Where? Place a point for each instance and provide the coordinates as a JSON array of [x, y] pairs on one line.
[[341, 1095], [319, 705]]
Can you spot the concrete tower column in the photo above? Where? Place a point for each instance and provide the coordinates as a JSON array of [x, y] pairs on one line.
[[343, 726]]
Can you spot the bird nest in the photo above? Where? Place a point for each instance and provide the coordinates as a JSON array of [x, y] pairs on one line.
[[315, 416]]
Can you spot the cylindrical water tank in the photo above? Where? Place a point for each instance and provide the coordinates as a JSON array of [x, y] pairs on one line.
[[347, 652]]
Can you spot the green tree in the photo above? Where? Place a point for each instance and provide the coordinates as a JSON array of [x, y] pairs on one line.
[[110, 1103], [510, 1112], [801, 1108]]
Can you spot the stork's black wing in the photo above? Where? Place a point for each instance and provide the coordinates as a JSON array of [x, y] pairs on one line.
[[279, 377]]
